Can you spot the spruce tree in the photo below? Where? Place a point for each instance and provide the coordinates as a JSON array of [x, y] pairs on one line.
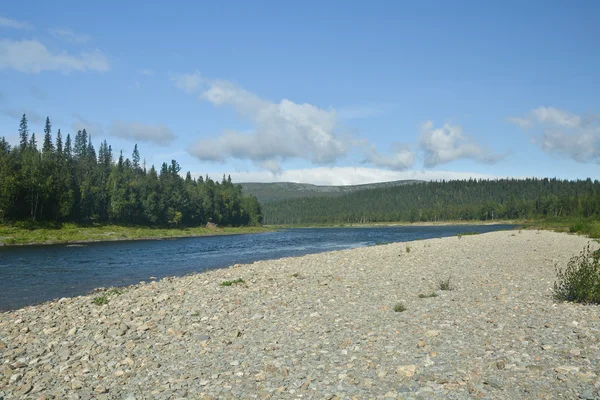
[[23, 133], [48, 146]]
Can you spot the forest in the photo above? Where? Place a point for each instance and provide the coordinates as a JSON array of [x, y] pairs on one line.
[[68, 181], [482, 200]]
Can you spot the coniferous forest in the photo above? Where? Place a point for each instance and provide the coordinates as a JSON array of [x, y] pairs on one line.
[[483, 200], [69, 181]]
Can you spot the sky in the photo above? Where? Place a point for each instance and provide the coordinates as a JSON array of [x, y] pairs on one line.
[[313, 91]]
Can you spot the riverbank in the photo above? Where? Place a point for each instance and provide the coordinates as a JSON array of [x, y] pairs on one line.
[[72, 233], [385, 224], [323, 326]]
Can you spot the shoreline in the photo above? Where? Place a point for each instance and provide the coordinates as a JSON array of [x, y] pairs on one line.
[[323, 325], [392, 224], [194, 232]]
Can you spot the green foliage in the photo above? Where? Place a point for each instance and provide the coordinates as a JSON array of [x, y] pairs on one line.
[[580, 280], [74, 183], [231, 283], [100, 300], [399, 307], [295, 275], [460, 235], [467, 200], [426, 296], [407, 249], [445, 284]]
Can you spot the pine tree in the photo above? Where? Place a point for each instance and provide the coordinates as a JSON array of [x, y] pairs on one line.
[[135, 157]]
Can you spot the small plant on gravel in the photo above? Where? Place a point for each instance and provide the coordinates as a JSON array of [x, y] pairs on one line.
[[115, 292], [399, 307], [445, 284], [460, 235], [100, 300], [580, 280], [381, 243], [426, 296], [407, 249], [295, 275], [234, 282]]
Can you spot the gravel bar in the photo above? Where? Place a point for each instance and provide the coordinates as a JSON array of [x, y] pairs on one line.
[[322, 326]]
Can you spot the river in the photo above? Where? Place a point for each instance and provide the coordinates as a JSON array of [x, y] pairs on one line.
[[34, 274]]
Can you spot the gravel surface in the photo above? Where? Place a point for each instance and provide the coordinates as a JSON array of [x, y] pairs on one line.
[[323, 326]]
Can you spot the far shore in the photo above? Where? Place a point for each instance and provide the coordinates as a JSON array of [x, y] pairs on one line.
[[75, 234], [386, 224]]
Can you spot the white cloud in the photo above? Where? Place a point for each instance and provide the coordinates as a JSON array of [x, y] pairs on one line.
[[400, 158], [446, 144], [30, 56], [564, 133], [282, 131], [70, 36], [93, 128], [11, 23], [345, 175], [188, 82], [158, 134]]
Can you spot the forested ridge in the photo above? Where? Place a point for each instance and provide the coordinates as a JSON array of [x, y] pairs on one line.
[[483, 200], [68, 181]]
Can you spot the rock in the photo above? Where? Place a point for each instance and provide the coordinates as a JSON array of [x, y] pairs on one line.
[[587, 395], [406, 370], [100, 389], [493, 383], [15, 378], [24, 389], [76, 384], [432, 333], [500, 364]]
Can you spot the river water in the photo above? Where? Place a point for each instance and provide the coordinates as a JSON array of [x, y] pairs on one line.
[[34, 274]]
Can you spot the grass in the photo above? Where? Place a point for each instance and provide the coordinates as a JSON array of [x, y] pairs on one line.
[[583, 226], [400, 307], [233, 282], [426, 296], [106, 296], [42, 233], [407, 249], [445, 284], [460, 235], [295, 275]]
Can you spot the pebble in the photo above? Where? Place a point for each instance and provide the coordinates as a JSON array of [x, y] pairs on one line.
[[323, 326]]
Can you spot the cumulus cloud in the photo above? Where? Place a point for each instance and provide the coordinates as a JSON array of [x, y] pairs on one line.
[[70, 36], [564, 133], [282, 130], [11, 23], [158, 134], [31, 56], [448, 143], [345, 175], [400, 158]]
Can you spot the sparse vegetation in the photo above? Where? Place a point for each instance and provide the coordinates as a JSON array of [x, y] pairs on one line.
[[400, 307], [100, 300], [407, 249], [295, 275], [426, 296], [580, 280], [381, 243], [460, 235], [234, 282], [445, 284]]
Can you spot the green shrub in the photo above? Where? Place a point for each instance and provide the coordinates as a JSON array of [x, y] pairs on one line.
[[100, 300], [445, 284], [407, 249], [234, 282], [399, 307], [580, 280], [425, 296]]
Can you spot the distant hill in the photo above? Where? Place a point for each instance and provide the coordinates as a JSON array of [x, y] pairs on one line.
[[278, 191]]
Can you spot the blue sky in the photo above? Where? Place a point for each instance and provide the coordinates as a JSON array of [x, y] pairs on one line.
[[315, 92]]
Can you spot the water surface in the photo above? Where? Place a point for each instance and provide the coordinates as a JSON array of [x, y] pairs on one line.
[[34, 274]]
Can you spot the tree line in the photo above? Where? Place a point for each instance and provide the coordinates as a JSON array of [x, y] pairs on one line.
[[69, 181], [483, 200]]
